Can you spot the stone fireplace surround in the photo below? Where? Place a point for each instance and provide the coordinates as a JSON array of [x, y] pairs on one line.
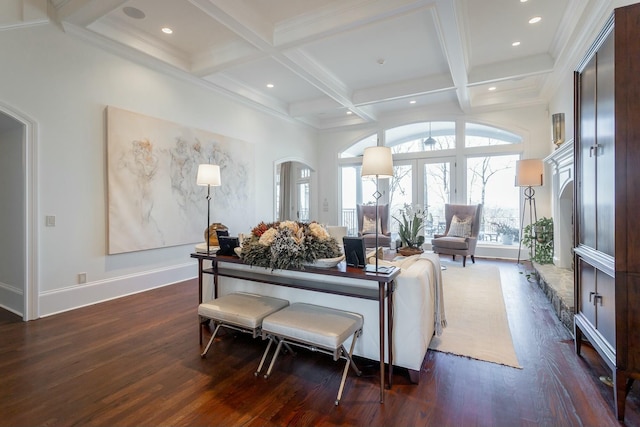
[[556, 280]]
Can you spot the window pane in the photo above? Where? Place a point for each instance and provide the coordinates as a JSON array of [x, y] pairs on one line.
[[491, 181], [400, 193], [350, 178], [303, 201], [482, 136], [437, 186], [424, 136]]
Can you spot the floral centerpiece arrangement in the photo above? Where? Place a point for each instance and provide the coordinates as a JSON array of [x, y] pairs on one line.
[[411, 226], [288, 245]]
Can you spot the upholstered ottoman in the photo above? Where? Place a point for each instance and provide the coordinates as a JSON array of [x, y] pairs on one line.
[[239, 311], [314, 327]]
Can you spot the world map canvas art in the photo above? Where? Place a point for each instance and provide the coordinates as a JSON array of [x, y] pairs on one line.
[[153, 199]]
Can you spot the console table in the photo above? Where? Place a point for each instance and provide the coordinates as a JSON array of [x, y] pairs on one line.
[[311, 279]]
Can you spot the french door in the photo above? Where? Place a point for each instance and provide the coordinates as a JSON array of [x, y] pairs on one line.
[[426, 183]]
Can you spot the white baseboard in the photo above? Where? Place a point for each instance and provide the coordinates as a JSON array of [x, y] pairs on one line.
[[72, 297], [12, 299]]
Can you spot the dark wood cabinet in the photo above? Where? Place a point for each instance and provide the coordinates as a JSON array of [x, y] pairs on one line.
[[607, 199]]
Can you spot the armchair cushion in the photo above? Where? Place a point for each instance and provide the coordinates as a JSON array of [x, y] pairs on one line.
[[459, 243], [460, 227], [369, 225]]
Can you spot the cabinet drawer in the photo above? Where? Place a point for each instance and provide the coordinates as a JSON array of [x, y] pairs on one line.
[[596, 300]]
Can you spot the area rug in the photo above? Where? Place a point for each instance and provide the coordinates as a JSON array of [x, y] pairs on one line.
[[477, 324]]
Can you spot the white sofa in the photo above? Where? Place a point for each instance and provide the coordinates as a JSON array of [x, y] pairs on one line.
[[415, 305]]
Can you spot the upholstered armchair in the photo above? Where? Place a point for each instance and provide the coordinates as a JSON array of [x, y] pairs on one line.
[[367, 225], [461, 234]]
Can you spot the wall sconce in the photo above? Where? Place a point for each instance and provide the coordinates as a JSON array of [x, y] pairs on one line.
[[557, 127]]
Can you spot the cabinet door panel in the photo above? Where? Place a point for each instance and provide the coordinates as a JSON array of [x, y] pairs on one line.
[[587, 165], [605, 131], [587, 290], [606, 307]]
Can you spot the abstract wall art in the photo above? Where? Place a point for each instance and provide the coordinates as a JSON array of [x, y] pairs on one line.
[[153, 199]]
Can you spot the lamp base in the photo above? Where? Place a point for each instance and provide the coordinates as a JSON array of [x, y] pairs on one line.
[[211, 232]]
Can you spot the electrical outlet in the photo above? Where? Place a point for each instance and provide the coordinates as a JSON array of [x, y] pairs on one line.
[[82, 278], [50, 220]]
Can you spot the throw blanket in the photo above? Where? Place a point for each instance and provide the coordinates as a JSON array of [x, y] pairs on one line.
[[436, 279]]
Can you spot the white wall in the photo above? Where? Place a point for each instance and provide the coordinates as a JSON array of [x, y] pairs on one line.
[[12, 220], [64, 84]]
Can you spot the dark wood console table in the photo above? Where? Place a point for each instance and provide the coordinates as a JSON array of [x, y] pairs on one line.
[[386, 287]]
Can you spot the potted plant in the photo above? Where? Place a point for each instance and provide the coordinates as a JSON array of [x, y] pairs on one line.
[[538, 237], [410, 230], [508, 234]]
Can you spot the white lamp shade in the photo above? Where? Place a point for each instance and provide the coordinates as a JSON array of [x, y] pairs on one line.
[[377, 161], [529, 173], [208, 175]]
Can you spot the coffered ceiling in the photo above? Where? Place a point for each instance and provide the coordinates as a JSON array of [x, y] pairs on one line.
[[336, 63]]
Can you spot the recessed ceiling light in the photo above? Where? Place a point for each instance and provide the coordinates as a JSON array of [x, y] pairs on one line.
[[535, 19], [514, 44], [349, 112], [133, 12], [492, 88], [167, 30], [413, 101], [270, 85], [523, 1], [381, 61]]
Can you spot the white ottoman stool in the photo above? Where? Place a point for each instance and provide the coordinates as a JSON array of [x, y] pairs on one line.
[[314, 327], [239, 311]]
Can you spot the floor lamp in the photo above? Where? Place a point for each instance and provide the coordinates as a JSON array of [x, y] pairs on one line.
[[208, 175], [528, 175], [378, 162]]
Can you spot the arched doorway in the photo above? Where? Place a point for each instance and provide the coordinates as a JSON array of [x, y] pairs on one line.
[[293, 189]]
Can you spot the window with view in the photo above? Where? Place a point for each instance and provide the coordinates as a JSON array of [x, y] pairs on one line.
[[426, 160]]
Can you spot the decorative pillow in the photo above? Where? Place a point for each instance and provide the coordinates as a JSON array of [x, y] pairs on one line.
[[369, 225], [460, 227]]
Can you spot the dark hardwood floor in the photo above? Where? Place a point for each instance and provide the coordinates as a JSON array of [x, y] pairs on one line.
[[135, 362]]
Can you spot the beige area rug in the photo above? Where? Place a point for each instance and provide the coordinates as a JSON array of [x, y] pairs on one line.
[[477, 324]]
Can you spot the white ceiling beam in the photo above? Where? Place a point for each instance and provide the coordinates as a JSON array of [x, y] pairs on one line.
[[84, 12], [450, 33], [514, 69], [339, 17], [22, 13], [240, 89], [405, 89], [232, 16], [224, 56], [314, 106], [138, 40]]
